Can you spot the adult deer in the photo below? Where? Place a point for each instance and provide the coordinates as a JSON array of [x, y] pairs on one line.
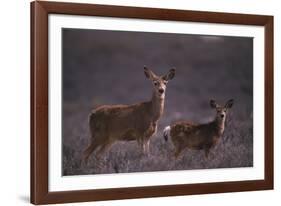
[[198, 136], [111, 123]]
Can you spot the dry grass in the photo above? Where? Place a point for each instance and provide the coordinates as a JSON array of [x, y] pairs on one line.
[[107, 68], [234, 150]]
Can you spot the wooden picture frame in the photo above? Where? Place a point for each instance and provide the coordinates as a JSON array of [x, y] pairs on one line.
[[39, 102]]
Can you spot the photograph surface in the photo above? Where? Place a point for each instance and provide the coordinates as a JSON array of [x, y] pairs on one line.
[[144, 101]]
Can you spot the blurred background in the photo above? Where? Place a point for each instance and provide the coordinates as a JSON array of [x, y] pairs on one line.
[[106, 67]]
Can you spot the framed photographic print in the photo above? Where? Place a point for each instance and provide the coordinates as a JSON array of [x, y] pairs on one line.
[[131, 102]]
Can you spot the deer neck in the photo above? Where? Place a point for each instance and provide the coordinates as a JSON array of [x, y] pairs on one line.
[[157, 106], [220, 124]]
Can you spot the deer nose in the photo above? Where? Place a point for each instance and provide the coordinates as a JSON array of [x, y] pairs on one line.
[[161, 91], [222, 115]]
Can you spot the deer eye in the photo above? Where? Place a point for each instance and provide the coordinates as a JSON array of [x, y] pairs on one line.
[[155, 83], [165, 83]]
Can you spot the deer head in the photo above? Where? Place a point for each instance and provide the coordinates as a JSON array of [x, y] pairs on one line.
[[159, 82], [221, 110]]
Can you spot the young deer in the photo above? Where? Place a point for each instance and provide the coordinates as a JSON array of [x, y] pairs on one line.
[[198, 136], [111, 123]]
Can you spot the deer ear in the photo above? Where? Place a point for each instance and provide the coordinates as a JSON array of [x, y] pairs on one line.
[[148, 73], [213, 103], [229, 103], [170, 75]]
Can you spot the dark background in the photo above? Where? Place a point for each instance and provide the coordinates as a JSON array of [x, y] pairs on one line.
[[106, 67]]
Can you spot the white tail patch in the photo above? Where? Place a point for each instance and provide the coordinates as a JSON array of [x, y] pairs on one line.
[[166, 133], [200, 136]]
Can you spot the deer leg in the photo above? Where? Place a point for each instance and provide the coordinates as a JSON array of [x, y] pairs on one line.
[[103, 148], [143, 147], [90, 149], [147, 146], [99, 147], [146, 137], [177, 152], [141, 142], [178, 149], [207, 152]]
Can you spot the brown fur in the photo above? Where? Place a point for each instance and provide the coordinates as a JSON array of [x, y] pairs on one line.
[[199, 136], [111, 123]]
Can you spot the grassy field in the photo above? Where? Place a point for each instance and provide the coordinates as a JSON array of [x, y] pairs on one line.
[[104, 67]]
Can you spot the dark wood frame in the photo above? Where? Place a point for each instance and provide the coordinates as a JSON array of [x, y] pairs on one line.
[[39, 102]]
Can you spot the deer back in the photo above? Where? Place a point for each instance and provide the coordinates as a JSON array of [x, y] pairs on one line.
[[125, 122], [194, 136]]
